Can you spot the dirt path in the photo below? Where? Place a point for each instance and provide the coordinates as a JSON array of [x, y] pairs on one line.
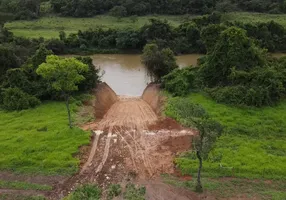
[[130, 142]]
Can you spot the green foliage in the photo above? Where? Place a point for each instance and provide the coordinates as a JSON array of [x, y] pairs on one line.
[[25, 149], [23, 185], [118, 11], [156, 29], [210, 35], [158, 62], [40, 56], [253, 139], [16, 99], [233, 50], [134, 193], [114, 190], [135, 7], [180, 82], [64, 73], [8, 60], [88, 192], [91, 75]]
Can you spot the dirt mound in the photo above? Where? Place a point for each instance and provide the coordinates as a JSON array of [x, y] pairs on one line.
[[133, 113], [105, 98], [152, 96]]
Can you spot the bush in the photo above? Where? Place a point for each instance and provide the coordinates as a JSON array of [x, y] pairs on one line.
[[114, 190], [158, 62], [180, 81], [91, 77], [16, 99], [89, 192], [133, 193], [56, 45]]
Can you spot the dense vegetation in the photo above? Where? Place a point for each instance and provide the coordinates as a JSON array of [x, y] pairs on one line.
[[20, 86], [188, 37], [234, 71], [30, 9]]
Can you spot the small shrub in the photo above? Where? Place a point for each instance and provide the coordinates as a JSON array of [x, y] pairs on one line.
[[88, 192], [134, 193], [16, 99], [114, 190], [179, 81]]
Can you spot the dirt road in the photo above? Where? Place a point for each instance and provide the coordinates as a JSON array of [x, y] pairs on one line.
[[129, 143]]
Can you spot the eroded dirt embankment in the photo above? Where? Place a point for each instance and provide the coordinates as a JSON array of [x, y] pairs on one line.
[[129, 142]]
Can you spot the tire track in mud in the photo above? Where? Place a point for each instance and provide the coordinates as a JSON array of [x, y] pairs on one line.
[[106, 152], [93, 150], [124, 143]]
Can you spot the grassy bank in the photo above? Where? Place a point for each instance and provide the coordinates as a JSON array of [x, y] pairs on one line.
[[252, 146], [234, 188], [49, 27], [40, 141], [247, 17], [23, 185]]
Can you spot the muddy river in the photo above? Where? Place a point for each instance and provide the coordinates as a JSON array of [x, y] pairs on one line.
[[126, 75]]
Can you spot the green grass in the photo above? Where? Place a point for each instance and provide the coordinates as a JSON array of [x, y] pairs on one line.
[[23, 185], [20, 197], [252, 146], [255, 17], [39, 141], [234, 187], [49, 27]]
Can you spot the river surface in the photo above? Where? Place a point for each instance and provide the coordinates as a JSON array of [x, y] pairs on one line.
[[126, 75]]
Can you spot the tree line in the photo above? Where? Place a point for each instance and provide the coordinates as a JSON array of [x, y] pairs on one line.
[[22, 85], [191, 36], [31, 9]]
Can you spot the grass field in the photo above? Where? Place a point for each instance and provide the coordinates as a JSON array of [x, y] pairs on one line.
[[234, 187], [18, 185], [252, 146], [254, 17], [39, 141], [49, 27]]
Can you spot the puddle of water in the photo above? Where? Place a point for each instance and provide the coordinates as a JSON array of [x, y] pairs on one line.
[[125, 73]]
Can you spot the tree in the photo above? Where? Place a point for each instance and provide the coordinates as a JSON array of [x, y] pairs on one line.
[[158, 62], [209, 132], [118, 11], [195, 116], [233, 49], [64, 74]]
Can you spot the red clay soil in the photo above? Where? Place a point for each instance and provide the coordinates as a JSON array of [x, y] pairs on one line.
[[129, 143]]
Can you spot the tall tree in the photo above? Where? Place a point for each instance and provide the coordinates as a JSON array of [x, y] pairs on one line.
[[64, 74], [209, 131]]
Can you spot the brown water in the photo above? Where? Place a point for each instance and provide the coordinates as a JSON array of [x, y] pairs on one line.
[[126, 75]]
